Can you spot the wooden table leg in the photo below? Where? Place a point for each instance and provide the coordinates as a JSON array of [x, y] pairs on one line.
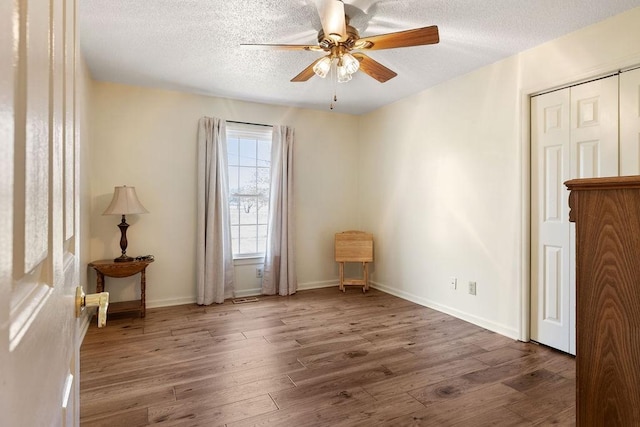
[[365, 267], [99, 282], [143, 285]]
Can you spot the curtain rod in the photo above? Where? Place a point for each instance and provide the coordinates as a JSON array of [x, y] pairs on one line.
[[247, 123]]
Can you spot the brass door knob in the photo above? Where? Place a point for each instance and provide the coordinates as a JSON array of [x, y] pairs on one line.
[[100, 300]]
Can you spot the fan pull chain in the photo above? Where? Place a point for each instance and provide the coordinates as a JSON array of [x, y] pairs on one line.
[[334, 79]]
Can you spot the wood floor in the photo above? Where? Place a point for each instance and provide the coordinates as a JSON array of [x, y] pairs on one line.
[[318, 358]]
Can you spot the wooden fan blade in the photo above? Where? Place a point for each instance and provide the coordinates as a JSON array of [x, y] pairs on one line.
[[334, 23], [280, 47], [374, 68], [415, 37], [307, 73]]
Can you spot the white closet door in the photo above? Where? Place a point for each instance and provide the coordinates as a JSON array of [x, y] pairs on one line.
[[594, 153], [630, 123], [550, 279], [574, 134]]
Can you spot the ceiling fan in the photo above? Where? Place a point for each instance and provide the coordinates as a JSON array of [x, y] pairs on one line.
[[339, 39]]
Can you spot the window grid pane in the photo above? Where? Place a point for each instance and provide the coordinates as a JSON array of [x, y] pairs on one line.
[[249, 185]]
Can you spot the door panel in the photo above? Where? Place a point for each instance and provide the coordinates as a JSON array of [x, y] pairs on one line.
[[574, 134], [39, 342], [69, 121], [594, 129], [552, 294], [630, 123], [33, 185]]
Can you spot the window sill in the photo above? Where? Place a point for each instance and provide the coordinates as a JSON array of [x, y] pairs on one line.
[[249, 260]]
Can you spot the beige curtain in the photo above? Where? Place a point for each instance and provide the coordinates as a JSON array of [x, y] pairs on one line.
[[214, 257], [279, 264]]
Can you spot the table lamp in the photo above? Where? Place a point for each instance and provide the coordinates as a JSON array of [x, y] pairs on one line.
[[124, 202]]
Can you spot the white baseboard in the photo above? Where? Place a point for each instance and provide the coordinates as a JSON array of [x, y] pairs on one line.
[[85, 321], [476, 320], [238, 294], [170, 301], [317, 285], [301, 287], [248, 292]]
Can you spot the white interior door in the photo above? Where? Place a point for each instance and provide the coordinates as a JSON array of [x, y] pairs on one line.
[[574, 134], [39, 265], [630, 122], [550, 236], [594, 153]]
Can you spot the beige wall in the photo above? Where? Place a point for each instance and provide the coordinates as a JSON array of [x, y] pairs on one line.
[[147, 138], [444, 176]]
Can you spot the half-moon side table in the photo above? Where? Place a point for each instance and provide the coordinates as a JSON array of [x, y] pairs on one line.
[[109, 268]]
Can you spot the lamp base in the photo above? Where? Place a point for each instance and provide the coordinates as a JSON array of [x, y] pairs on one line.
[[123, 258]]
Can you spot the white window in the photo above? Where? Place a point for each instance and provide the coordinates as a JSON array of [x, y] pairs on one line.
[[249, 151]]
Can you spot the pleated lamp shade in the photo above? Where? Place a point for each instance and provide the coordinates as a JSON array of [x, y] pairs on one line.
[[125, 202]]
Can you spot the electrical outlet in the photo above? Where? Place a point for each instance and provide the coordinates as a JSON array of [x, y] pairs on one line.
[[259, 272], [453, 283], [472, 288]]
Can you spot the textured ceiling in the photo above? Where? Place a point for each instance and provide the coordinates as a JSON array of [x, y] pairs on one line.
[[193, 45]]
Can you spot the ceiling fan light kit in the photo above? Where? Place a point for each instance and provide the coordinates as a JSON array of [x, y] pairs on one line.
[[322, 67], [349, 63], [345, 65], [343, 76], [338, 39]]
